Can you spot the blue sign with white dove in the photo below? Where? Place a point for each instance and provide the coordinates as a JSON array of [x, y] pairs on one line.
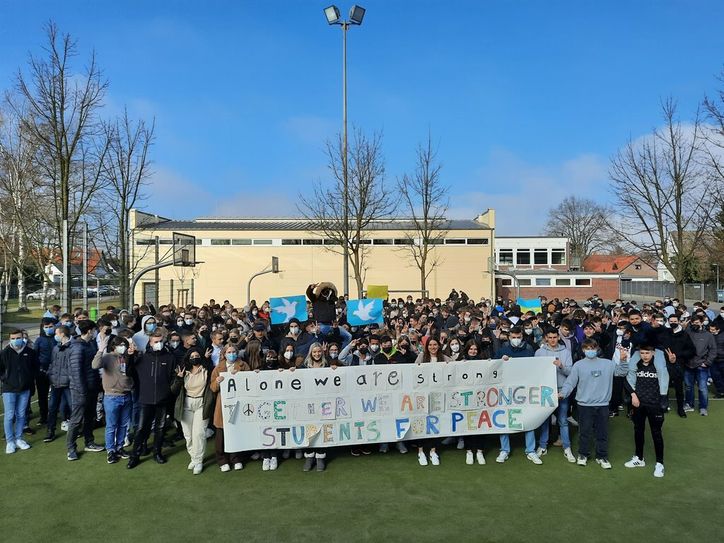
[[285, 309], [364, 312]]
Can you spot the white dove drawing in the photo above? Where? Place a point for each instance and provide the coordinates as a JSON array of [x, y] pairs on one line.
[[363, 310], [289, 309]]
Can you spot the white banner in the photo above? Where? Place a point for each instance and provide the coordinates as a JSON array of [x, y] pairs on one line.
[[381, 404]]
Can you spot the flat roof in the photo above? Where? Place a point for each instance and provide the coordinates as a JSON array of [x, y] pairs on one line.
[[524, 273]]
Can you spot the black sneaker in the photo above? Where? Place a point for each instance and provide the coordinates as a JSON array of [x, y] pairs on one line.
[[320, 464], [49, 437], [308, 463], [133, 462], [159, 458], [121, 453], [355, 452], [682, 413], [72, 455], [28, 430], [112, 457], [93, 447]]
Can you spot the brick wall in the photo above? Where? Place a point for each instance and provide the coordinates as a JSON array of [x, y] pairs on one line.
[[607, 289]]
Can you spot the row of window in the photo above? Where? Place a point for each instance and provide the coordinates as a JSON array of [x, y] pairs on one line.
[[549, 282], [317, 241], [545, 257]]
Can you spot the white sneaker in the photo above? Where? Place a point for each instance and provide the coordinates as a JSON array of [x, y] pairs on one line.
[[582, 461], [688, 408], [225, 468], [238, 466], [659, 470], [10, 447], [480, 457], [604, 463], [461, 443], [540, 451], [127, 442], [502, 457], [66, 424], [191, 465], [435, 459], [635, 462], [198, 468], [469, 458], [533, 457], [401, 447], [22, 444], [265, 465], [273, 463], [421, 458], [703, 412], [569, 455], [298, 454], [384, 447], [554, 420], [572, 421]]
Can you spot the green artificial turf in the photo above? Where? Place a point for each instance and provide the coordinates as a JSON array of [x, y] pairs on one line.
[[43, 497]]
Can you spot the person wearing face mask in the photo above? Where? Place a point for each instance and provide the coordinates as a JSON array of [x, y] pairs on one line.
[[288, 359], [85, 384], [454, 349], [115, 357], [404, 353], [678, 349], [59, 377], [696, 371], [155, 372], [717, 366], [194, 405], [18, 367], [43, 346], [592, 378], [568, 338], [148, 327]]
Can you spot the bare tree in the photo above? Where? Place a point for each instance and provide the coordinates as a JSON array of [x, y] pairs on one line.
[[425, 198], [126, 169], [584, 222], [664, 202], [369, 200], [63, 107]]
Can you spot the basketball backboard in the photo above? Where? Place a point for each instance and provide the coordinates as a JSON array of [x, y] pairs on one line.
[[184, 250]]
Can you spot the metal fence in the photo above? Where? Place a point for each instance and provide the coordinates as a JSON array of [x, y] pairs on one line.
[[165, 291], [660, 289]]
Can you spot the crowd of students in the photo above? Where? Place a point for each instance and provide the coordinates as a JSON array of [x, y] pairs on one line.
[[147, 370]]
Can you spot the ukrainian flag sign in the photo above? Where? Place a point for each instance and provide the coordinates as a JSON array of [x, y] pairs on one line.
[[529, 305]]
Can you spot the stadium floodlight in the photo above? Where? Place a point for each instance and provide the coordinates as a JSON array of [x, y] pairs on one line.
[[332, 14], [356, 14]]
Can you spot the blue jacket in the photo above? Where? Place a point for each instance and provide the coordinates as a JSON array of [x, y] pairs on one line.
[[506, 349], [83, 377], [44, 347]]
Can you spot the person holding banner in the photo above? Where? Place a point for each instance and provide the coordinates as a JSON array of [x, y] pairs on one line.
[[431, 353], [316, 359], [324, 309], [229, 362]]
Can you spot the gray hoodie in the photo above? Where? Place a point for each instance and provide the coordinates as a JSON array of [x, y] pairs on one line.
[[594, 379], [141, 338], [561, 353]]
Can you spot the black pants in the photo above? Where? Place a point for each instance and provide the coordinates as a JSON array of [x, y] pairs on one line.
[[77, 409], [474, 442], [56, 403], [676, 380], [42, 386], [151, 415], [616, 394], [655, 416], [590, 420], [89, 415]]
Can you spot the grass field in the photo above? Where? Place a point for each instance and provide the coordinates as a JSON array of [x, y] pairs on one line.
[[389, 497]]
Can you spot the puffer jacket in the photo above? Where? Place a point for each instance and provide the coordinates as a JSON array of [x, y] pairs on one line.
[[59, 370], [44, 347], [83, 378]]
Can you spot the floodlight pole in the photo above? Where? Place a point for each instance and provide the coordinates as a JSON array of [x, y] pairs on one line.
[[152, 267], [274, 268]]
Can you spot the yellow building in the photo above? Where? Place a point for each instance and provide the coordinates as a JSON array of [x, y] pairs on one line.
[[232, 250]]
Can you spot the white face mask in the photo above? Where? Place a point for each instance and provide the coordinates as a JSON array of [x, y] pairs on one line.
[[619, 332], [374, 348], [120, 349], [189, 321], [455, 347], [288, 355], [294, 330], [157, 346], [114, 324], [528, 331], [174, 344], [516, 341], [333, 355]]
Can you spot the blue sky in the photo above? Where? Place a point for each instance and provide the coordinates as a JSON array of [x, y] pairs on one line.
[[526, 100]]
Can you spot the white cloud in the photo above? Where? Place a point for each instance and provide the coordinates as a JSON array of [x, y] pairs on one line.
[[521, 193]]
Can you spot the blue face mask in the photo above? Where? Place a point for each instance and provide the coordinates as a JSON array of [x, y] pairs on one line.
[[18, 343], [231, 357], [590, 353], [49, 331], [58, 340], [151, 327]]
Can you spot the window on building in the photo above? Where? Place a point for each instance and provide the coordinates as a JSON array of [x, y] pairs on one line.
[[525, 282], [454, 241], [542, 281], [220, 242], [241, 242], [261, 242], [561, 282], [198, 241], [583, 282], [330, 242], [382, 242], [540, 256], [312, 242], [523, 256], [477, 241], [558, 257], [145, 242], [506, 282], [436, 241], [291, 242], [505, 256], [165, 242], [365, 242], [405, 241], [637, 266]]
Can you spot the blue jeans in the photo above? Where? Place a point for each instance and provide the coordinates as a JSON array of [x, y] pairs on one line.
[[562, 416], [529, 442], [699, 376], [118, 414], [15, 406], [326, 330]]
